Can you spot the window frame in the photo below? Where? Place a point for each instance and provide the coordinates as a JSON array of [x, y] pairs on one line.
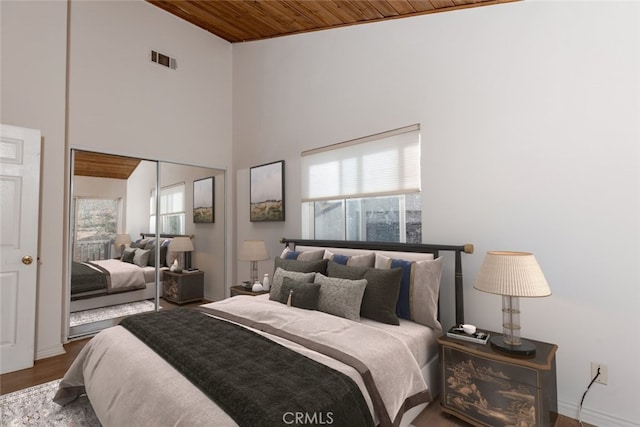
[[162, 216], [398, 139]]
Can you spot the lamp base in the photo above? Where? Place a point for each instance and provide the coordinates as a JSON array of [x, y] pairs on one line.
[[525, 349]]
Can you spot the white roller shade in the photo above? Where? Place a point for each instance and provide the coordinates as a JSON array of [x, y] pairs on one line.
[[381, 164]]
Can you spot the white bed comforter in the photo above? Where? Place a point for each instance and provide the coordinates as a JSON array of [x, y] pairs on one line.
[[129, 384], [123, 276]]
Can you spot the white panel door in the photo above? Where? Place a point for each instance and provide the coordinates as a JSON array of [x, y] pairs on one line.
[[19, 208]]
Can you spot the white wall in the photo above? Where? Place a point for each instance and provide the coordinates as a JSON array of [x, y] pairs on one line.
[[139, 184], [118, 102], [88, 186], [121, 101], [530, 130], [33, 45]]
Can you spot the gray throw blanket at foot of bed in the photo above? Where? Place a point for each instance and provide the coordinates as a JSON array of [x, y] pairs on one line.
[[256, 381]]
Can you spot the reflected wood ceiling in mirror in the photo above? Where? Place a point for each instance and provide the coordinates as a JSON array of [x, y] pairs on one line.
[[247, 20], [100, 165]]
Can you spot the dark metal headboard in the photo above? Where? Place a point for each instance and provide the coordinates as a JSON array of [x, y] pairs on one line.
[[402, 247], [165, 236]]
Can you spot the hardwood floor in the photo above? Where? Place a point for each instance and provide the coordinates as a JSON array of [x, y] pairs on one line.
[[45, 370], [52, 368]]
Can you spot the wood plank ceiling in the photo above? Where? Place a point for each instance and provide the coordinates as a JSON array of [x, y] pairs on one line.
[[86, 163], [247, 20]]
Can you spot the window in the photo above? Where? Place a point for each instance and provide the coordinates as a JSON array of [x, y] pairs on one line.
[[172, 210], [364, 189], [96, 225]]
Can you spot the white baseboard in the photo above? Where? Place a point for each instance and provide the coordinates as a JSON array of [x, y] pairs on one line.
[[592, 417], [55, 350]]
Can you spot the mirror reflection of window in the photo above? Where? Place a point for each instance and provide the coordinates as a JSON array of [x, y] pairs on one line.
[[95, 225], [172, 210]]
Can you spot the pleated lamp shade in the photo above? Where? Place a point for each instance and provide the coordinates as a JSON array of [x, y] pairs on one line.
[[512, 274], [253, 250]]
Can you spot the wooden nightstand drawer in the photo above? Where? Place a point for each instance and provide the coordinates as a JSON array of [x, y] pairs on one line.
[[488, 388]]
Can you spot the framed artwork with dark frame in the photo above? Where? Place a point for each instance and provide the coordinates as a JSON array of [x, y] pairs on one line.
[[267, 192], [204, 191]]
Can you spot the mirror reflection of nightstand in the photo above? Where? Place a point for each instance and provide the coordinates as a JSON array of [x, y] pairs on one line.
[[183, 287]]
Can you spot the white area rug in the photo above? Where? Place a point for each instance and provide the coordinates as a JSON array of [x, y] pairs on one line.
[[111, 312], [34, 407]]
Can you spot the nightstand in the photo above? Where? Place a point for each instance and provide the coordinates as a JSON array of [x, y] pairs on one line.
[[485, 387], [241, 290], [181, 288]]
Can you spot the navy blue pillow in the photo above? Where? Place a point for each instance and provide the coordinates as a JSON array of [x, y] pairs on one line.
[[340, 259], [403, 306]]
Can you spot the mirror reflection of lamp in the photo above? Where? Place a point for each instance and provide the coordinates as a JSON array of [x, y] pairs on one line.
[[182, 244], [121, 241]]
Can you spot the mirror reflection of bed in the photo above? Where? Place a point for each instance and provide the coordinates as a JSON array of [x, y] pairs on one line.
[[116, 258]]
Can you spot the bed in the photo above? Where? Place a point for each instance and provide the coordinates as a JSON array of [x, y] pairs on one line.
[[335, 327], [129, 278]]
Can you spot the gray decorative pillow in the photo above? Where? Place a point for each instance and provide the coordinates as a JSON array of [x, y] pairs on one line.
[[141, 257], [319, 266], [152, 254], [342, 271], [303, 295], [278, 278], [381, 294], [340, 297], [128, 254]]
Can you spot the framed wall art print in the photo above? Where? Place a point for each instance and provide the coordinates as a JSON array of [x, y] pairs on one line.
[[203, 200], [267, 192]]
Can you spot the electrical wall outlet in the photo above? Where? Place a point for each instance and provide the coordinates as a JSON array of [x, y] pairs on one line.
[[604, 375]]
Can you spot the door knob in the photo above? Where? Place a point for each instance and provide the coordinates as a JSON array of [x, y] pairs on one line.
[[27, 260]]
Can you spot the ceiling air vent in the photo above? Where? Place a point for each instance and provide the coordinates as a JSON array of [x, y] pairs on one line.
[[163, 59]]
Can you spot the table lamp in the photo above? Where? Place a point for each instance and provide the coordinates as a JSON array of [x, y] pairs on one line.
[[182, 244], [121, 241], [512, 275], [253, 251]]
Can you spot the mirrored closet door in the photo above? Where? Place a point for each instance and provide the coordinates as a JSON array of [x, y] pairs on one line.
[[129, 220]]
